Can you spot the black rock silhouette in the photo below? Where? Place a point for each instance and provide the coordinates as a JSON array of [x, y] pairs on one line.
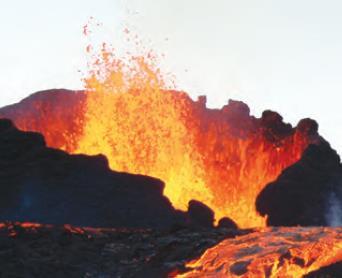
[[304, 192]]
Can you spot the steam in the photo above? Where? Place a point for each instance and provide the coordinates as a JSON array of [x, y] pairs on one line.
[[334, 212]]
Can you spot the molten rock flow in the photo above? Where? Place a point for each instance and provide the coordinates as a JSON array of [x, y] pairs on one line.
[[36, 250], [271, 252], [220, 157]]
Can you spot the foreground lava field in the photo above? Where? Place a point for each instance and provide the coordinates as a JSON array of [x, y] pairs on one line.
[[36, 250], [271, 252]]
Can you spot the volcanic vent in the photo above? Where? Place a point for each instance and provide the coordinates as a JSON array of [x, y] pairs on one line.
[[221, 157], [51, 186], [224, 158]]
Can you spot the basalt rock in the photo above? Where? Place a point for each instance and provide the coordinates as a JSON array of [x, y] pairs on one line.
[[30, 250], [200, 215], [330, 271], [308, 193], [45, 185]]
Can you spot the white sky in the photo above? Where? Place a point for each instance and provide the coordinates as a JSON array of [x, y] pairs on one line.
[[273, 54]]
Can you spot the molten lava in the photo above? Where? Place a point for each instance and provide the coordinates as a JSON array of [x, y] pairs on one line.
[[222, 158], [271, 252]]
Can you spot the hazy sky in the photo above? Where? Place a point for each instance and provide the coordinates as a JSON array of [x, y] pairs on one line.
[[279, 55]]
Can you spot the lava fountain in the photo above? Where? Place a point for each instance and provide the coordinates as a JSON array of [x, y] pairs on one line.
[[221, 157]]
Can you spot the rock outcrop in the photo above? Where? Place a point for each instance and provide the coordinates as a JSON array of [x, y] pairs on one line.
[[45, 185], [306, 193]]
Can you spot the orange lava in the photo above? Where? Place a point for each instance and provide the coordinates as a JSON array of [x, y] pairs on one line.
[[271, 252], [221, 157], [192, 149], [12, 229]]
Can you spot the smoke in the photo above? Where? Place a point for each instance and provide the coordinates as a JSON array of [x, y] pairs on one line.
[[334, 212]]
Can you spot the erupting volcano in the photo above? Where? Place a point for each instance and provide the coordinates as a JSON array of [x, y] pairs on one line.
[[221, 157], [220, 166]]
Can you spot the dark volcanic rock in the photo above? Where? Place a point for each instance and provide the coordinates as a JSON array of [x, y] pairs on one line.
[[330, 271], [308, 193], [45, 185], [226, 222], [273, 126], [67, 251], [200, 214]]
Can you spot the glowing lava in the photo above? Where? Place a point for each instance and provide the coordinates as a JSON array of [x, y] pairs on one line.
[[201, 154], [271, 252], [222, 158]]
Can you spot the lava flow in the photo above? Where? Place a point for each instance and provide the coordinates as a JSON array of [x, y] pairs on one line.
[[271, 252], [221, 157]]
